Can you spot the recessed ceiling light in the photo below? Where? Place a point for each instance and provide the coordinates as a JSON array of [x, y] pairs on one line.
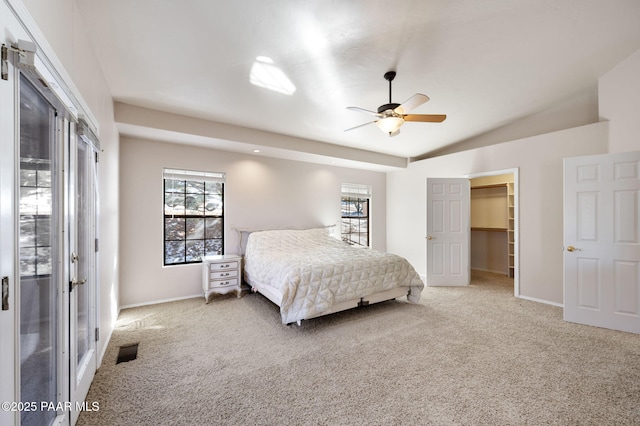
[[256, 150]]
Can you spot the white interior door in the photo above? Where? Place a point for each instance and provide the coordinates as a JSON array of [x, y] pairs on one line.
[[602, 241], [448, 232]]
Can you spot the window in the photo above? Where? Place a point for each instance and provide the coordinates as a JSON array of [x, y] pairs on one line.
[[355, 214], [193, 215]]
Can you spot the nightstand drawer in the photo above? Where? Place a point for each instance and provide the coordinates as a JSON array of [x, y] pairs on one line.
[[220, 275], [223, 266], [223, 283]]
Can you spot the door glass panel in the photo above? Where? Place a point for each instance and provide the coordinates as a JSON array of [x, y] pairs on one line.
[[83, 217], [38, 271]]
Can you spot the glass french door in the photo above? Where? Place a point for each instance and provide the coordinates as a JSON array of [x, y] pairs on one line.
[[82, 182], [57, 262], [40, 254]]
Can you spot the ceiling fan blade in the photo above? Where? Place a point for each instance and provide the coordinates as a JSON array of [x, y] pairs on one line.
[[411, 103], [426, 118], [366, 111], [360, 125]]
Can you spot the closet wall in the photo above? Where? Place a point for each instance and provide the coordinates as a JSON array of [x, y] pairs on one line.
[[492, 224]]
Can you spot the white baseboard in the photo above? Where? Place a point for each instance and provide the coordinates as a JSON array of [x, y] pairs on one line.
[[546, 302], [104, 345], [155, 302]]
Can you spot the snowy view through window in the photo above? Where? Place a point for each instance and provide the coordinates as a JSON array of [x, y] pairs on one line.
[[193, 220], [355, 221]]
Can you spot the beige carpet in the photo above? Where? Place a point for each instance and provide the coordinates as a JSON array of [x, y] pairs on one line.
[[469, 356]]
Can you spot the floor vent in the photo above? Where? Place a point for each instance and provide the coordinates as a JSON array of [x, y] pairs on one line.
[[127, 353]]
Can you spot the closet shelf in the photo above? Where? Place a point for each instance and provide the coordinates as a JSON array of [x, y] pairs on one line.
[[496, 185], [489, 229]]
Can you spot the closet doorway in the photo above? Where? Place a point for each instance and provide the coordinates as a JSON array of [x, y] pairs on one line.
[[494, 223]]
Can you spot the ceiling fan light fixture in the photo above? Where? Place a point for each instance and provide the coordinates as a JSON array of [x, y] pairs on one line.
[[391, 115], [390, 125]]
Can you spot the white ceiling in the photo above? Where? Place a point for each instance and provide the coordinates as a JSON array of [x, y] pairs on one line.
[[483, 63]]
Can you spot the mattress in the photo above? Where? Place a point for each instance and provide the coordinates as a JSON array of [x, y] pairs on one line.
[[311, 271]]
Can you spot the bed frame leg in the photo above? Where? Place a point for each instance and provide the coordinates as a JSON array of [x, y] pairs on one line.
[[363, 302]]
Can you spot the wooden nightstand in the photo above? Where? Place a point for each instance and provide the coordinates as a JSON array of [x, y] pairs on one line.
[[221, 274]]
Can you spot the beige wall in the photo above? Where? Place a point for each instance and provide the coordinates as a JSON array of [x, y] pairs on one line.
[[619, 94], [260, 192]]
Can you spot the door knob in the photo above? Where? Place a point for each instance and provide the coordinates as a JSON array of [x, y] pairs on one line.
[[429, 237], [572, 249]]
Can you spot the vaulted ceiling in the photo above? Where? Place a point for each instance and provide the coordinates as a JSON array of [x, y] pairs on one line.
[[484, 64]]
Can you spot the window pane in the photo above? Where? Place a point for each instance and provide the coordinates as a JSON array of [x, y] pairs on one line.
[[44, 201], [213, 247], [28, 178], [172, 185], [195, 250], [213, 206], [213, 228], [174, 252], [43, 260], [213, 187], [365, 208], [44, 178], [43, 233], [174, 229], [194, 204], [27, 231], [27, 261], [173, 203], [194, 187], [195, 229], [29, 200]]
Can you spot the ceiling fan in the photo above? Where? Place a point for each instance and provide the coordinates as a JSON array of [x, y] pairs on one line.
[[391, 116]]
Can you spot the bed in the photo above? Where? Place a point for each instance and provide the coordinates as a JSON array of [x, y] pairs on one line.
[[309, 273]]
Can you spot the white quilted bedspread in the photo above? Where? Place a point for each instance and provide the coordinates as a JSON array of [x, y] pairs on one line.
[[312, 270]]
